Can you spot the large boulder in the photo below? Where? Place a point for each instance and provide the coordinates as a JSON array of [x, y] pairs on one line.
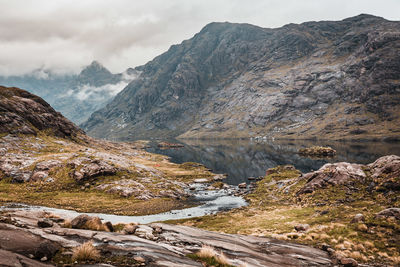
[[387, 165], [390, 212], [86, 170], [332, 174]]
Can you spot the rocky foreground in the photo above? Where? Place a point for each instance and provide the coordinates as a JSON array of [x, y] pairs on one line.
[[24, 243], [350, 210]]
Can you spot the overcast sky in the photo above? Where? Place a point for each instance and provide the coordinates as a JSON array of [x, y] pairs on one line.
[[65, 35]]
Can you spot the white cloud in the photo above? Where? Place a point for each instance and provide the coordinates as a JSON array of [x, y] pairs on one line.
[[65, 35]]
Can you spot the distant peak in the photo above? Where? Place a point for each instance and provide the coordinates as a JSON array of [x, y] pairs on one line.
[[363, 17], [95, 66]]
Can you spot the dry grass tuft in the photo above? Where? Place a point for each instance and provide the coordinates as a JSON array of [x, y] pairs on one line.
[[396, 260], [206, 252], [95, 224], [223, 259], [359, 247], [66, 224], [358, 256], [369, 244], [85, 252], [362, 227]]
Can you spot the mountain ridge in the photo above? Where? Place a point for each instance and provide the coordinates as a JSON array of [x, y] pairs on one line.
[[241, 81]]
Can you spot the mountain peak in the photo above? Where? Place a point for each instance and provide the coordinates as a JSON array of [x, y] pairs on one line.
[[96, 74], [363, 16], [95, 66]]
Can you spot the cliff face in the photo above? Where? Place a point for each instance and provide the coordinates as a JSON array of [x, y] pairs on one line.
[[24, 113], [330, 79]]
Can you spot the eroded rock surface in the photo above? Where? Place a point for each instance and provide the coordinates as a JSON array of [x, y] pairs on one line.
[[158, 244], [386, 168], [332, 174]]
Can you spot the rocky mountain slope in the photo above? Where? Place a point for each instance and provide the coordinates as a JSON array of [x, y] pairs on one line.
[[24, 113], [327, 79], [45, 159], [75, 96]]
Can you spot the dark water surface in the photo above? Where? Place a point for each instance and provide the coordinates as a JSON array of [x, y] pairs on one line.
[[241, 159]]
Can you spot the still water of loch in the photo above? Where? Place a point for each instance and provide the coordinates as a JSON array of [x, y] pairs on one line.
[[241, 159]]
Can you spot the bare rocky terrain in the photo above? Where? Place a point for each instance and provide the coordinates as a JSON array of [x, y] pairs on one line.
[[150, 245], [327, 79], [350, 210]]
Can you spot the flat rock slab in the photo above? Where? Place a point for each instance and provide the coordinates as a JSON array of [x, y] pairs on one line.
[[168, 245]]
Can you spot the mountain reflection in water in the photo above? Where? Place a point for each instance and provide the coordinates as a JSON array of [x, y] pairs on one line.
[[241, 159]]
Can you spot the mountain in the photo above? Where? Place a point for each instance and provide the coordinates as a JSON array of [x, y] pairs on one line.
[[327, 79], [75, 96], [24, 113]]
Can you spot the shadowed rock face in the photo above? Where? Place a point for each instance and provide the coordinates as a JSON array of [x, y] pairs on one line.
[[24, 113], [330, 79]]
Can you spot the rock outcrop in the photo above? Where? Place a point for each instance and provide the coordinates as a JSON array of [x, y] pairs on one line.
[[154, 244], [384, 172], [327, 79], [24, 113]]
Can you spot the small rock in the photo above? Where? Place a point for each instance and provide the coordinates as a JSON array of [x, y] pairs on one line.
[[46, 249], [242, 185], [38, 176], [201, 180], [79, 221], [43, 259], [358, 218], [44, 223], [302, 227], [158, 229], [145, 231], [129, 229], [325, 247], [139, 259], [330, 251], [109, 226], [219, 177]]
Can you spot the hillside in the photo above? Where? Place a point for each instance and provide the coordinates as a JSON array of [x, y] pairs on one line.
[[47, 160], [328, 79], [24, 113], [76, 96]]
